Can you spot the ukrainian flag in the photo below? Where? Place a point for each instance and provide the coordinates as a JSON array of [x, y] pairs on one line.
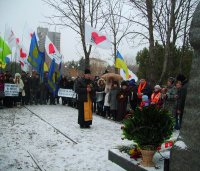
[[51, 78], [35, 58], [120, 63], [54, 78]]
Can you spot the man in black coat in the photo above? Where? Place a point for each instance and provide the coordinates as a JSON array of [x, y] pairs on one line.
[[181, 85], [85, 90]]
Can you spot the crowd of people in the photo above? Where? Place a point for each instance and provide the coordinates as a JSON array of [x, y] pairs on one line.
[[120, 100], [110, 98]]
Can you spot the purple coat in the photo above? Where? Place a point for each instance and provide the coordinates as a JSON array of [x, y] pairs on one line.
[[1, 86]]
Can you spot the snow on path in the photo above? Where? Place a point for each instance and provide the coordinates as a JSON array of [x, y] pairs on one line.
[[53, 151]]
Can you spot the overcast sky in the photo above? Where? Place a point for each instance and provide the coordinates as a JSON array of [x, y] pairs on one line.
[[16, 13]]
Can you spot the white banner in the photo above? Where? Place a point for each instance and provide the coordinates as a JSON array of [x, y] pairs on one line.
[[11, 90], [66, 93]]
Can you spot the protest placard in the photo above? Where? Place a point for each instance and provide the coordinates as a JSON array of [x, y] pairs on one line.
[[66, 93], [11, 90]]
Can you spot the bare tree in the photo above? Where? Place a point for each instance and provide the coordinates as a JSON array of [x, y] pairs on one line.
[[73, 14], [173, 19], [144, 18], [166, 21], [118, 26]]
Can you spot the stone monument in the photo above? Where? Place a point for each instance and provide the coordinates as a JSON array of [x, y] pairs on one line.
[[188, 159]]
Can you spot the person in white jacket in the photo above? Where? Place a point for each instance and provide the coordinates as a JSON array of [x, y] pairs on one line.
[[106, 102], [18, 81]]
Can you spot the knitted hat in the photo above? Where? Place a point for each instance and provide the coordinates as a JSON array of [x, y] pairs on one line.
[[145, 98], [171, 79], [157, 87], [132, 82]]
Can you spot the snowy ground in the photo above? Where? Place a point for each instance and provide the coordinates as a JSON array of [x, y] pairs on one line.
[[26, 140]]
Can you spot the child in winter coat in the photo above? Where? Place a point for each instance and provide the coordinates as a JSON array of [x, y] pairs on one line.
[[145, 101], [156, 96]]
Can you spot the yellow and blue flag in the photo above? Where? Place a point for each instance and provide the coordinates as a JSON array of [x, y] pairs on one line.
[[35, 58], [54, 77], [120, 63], [40, 68], [51, 77]]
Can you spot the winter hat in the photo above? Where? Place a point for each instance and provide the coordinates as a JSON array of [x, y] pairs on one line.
[[145, 98], [101, 79], [157, 87], [17, 75], [87, 71], [132, 82], [171, 79]]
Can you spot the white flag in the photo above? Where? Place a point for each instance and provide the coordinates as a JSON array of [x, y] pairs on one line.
[[130, 74], [22, 55], [52, 51], [94, 37], [27, 36], [10, 37]]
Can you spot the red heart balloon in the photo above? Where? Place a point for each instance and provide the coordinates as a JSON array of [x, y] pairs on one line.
[[97, 39], [22, 54], [51, 48]]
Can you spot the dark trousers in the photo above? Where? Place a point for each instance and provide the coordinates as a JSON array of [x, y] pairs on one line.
[[94, 106], [52, 99], [178, 118], [33, 96], [100, 107], [114, 114], [106, 111], [43, 96], [64, 100]]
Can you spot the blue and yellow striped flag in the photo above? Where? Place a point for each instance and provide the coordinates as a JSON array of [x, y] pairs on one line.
[[35, 58], [120, 63]]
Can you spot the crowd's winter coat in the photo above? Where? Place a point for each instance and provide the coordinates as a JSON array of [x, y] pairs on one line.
[[122, 99], [170, 99], [112, 98], [107, 91], [19, 83]]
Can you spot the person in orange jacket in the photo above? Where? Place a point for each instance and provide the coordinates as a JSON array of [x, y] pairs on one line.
[[156, 96]]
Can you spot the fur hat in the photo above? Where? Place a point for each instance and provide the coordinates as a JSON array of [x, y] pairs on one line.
[[101, 79], [17, 75]]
